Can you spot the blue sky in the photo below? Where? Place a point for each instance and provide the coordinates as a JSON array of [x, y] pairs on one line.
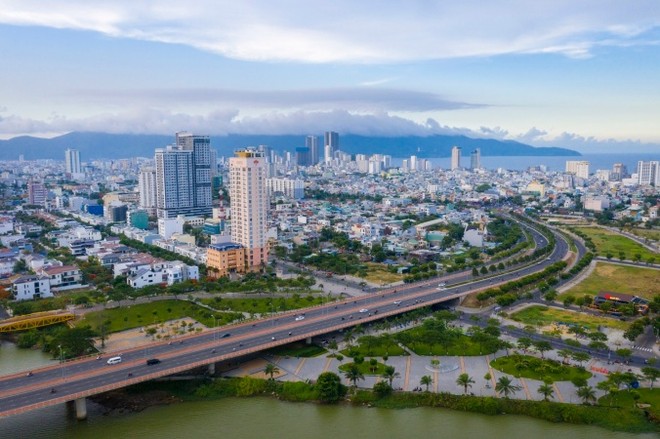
[[582, 74]]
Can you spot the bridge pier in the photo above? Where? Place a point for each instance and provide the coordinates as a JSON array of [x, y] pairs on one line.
[[308, 340], [81, 409], [211, 370]]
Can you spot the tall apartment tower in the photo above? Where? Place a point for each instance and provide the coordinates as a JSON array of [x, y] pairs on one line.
[[475, 159], [183, 177], [579, 168], [312, 142], [147, 188], [455, 157], [72, 161], [648, 173], [331, 144], [619, 172], [37, 193], [249, 205]]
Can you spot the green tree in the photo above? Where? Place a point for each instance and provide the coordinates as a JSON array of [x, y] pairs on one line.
[[651, 374], [271, 370], [542, 346], [329, 387], [546, 390], [382, 389], [506, 387], [390, 374], [624, 353], [353, 374], [587, 394], [464, 380], [426, 380]]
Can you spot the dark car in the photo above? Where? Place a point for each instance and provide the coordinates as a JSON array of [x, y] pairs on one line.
[[152, 361], [226, 334]]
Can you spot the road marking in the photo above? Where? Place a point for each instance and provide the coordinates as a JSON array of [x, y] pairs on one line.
[[524, 386], [560, 397], [328, 361], [490, 371], [435, 379], [407, 374], [462, 360], [300, 366]]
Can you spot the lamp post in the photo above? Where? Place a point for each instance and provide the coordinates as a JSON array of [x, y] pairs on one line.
[[61, 360]]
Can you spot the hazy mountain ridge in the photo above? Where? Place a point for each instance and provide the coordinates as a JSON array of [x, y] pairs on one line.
[[114, 146]]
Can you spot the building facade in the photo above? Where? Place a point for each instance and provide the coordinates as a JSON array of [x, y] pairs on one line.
[[330, 145], [475, 159], [72, 162], [648, 173], [455, 158], [579, 168]]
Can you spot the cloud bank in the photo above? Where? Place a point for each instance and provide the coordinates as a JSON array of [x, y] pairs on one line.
[[367, 31]]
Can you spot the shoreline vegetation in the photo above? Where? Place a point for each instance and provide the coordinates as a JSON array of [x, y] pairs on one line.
[[138, 398]]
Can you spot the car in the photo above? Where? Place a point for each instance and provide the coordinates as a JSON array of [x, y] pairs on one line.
[[152, 361], [442, 284], [364, 310], [272, 338], [114, 360], [299, 318], [397, 302], [226, 334], [442, 288]]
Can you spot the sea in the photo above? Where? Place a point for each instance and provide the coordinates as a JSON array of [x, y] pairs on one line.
[[552, 163]]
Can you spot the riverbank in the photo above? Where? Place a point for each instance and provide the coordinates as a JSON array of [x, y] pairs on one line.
[[611, 418]]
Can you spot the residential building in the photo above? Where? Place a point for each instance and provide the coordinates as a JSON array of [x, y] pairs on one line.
[[331, 145], [31, 287], [579, 168], [225, 258], [37, 193], [312, 142], [169, 226], [475, 159], [290, 187], [648, 173], [65, 277], [147, 189], [72, 163]]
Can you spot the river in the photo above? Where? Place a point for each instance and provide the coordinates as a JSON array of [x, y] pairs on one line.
[[259, 418]]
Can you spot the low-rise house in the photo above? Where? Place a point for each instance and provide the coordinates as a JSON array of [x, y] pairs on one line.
[[66, 277], [31, 287]]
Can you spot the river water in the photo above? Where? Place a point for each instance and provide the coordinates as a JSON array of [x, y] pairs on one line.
[[268, 418]]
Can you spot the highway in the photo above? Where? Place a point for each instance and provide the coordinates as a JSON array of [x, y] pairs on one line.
[[84, 377]]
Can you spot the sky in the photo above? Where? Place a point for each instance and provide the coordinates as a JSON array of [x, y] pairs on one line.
[[582, 74]]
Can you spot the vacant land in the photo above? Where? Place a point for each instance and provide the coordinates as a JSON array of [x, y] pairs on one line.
[[135, 316], [539, 315], [651, 234], [639, 281], [379, 274], [612, 243]]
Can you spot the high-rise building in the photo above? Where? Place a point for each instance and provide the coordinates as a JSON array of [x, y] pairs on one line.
[[147, 188], [72, 161], [475, 159], [455, 157], [183, 177], [249, 205], [331, 145], [579, 168], [312, 142], [303, 156], [619, 172], [37, 193], [648, 173]]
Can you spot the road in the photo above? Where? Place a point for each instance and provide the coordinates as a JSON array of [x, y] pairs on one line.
[[85, 377]]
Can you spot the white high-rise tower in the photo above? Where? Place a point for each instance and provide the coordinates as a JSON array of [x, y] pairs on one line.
[[455, 157], [72, 162]]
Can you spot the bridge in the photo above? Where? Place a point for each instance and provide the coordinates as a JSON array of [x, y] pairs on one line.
[[35, 320], [75, 380]]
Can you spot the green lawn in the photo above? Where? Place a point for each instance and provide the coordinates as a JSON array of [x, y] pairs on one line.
[[377, 347], [298, 349], [526, 366], [639, 281], [365, 368], [463, 345], [539, 315], [136, 316], [625, 400], [265, 305], [653, 234], [613, 243]]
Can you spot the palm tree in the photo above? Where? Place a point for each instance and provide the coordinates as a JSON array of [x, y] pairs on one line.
[[426, 380], [464, 380], [547, 391], [353, 374], [587, 394], [505, 386], [390, 373], [271, 370]]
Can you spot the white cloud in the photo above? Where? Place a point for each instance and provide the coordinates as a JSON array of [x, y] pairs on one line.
[[368, 31]]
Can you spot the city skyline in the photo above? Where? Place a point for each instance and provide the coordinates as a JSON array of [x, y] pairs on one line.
[[550, 74]]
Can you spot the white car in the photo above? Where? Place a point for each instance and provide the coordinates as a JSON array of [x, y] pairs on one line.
[[397, 302], [299, 318], [442, 284], [364, 310]]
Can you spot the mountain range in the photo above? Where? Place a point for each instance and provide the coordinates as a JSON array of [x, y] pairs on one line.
[[114, 146]]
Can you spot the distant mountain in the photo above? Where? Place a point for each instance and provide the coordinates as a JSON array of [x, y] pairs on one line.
[[114, 146]]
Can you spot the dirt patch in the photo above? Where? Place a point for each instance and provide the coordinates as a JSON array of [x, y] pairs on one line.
[[471, 301], [121, 401]]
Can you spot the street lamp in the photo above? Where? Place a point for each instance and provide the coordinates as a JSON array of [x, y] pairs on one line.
[[61, 359]]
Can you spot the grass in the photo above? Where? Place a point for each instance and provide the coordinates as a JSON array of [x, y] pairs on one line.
[[376, 349], [265, 305], [646, 233], [136, 316], [298, 349], [526, 366], [460, 346], [365, 368], [379, 274], [624, 399], [611, 242], [639, 281], [539, 315]]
